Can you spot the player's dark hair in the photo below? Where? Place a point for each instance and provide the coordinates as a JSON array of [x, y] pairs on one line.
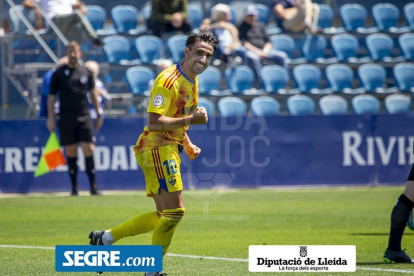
[[73, 44], [203, 35]]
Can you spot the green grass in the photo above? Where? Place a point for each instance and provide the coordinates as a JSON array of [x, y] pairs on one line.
[[223, 226]]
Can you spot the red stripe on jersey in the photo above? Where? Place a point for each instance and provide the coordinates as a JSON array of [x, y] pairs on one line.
[[173, 81], [155, 163], [159, 158], [167, 81]]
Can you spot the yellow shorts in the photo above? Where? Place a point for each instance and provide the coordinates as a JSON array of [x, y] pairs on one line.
[[161, 168]]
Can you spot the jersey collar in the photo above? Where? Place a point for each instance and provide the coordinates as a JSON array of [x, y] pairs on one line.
[[182, 73]]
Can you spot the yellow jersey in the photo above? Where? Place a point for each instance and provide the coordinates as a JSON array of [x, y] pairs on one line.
[[173, 95]]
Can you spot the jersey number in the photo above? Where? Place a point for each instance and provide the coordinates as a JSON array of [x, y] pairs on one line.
[[170, 165]]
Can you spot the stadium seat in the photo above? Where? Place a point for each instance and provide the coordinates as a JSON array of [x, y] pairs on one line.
[[286, 43], [265, 106], [97, 17], [366, 104], [406, 42], [176, 44], [149, 48], [300, 105], [333, 105], [314, 49], [209, 81], [18, 25], [275, 78], [207, 104], [409, 15], [345, 47], [307, 78], [118, 50], [354, 17], [264, 13], [404, 74], [386, 16], [340, 77], [380, 47], [232, 107], [241, 80], [125, 19], [373, 78], [195, 16], [325, 19], [138, 78], [398, 103]]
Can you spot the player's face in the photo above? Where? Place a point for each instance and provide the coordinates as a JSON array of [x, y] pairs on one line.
[[73, 53], [199, 57]]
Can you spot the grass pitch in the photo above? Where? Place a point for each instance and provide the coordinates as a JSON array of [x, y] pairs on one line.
[[218, 226]]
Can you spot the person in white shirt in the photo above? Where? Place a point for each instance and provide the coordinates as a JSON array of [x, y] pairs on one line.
[[69, 17], [103, 96]]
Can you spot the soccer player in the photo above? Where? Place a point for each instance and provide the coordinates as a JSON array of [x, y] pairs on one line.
[[73, 82], [399, 217], [172, 109]]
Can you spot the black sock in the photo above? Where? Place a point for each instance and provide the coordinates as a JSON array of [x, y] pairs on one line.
[[90, 171], [399, 218], [73, 172]]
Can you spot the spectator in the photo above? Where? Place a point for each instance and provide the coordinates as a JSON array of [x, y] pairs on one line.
[[169, 15], [102, 94], [228, 35], [257, 44], [69, 17], [46, 88], [297, 15]]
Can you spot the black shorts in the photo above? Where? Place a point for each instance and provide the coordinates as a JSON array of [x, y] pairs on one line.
[[75, 129]]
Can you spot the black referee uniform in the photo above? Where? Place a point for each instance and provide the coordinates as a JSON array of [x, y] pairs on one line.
[[72, 86]]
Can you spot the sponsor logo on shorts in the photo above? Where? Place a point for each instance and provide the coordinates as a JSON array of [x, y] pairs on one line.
[[172, 180], [158, 100]]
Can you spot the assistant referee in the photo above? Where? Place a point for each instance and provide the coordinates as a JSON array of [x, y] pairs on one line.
[[73, 82]]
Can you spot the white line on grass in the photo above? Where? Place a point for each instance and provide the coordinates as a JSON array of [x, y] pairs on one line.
[[206, 258]]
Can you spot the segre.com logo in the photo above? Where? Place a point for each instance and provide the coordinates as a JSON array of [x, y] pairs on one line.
[[115, 258]]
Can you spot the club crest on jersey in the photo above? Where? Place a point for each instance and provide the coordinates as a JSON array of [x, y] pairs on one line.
[[158, 100], [172, 180], [84, 79]]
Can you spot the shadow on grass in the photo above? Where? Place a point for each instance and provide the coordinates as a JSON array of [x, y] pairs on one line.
[[377, 234], [372, 263]]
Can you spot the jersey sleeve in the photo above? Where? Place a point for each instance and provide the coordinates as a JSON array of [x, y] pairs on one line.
[[54, 83], [160, 100]]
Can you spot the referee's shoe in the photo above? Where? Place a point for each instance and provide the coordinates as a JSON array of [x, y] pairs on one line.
[[393, 257]]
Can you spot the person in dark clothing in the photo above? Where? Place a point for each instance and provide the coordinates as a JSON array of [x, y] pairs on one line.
[[257, 44], [169, 15], [73, 82]]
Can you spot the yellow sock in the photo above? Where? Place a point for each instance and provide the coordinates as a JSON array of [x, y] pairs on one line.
[[139, 225], [165, 228]]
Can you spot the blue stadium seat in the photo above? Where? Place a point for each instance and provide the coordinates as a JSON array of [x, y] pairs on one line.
[[397, 103], [307, 78], [373, 78], [176, 44], [286, 43], [275, 78], [386, 16], [333, 105], [404, 74], [209, 81], [409, 15], [340, 77], [326, 14], [380, 47], [345, 47], [149, 48], [17, 25], [208, 105], [354, 17], [300, 105], [195, 16], [125, 19], [138, 78], [232, 107], [314, 48], [118, 50], [265, 106], [241, 80], [366, 104], [407, 45], [96, 16], [264, 13]]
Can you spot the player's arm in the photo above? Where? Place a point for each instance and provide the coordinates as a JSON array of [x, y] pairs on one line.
[[158, 122], [192, 150], [54, 87], [95, 104]]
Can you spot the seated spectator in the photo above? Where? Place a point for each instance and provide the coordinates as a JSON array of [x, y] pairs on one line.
[[69, 17], [257, 44], [297, 15], [169, 15], [103, 96], [219, 24], [45, 89]]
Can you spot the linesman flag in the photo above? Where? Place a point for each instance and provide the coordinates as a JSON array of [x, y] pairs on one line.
[[52, 156]]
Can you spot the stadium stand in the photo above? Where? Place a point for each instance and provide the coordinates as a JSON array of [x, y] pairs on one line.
[[301, 105], [208, 105], [398, 103], [333, 105], [138, 78], [149, 48], [232, 107], [125, 19], [366, 104], [275, 78], [265, 106]]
